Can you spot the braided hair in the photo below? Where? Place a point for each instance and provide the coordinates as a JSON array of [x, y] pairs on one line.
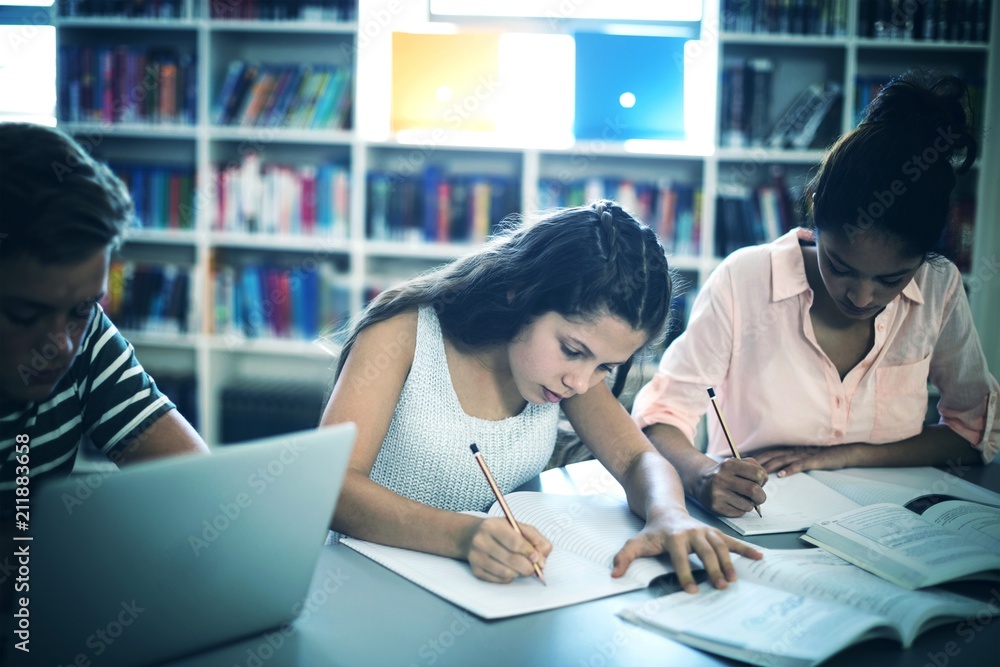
[[579, 262]]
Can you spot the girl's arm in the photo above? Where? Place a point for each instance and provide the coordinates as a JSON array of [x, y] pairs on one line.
[[366, 393], [936, 444], [654, 492]]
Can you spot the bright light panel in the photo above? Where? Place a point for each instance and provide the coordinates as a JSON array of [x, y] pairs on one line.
[[28, 66], [616, 10]]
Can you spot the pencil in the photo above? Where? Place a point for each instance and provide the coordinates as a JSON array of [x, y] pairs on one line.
[[725, 429], [503, 502]]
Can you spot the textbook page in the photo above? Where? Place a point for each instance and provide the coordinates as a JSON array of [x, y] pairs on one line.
[[585, 531], [903, 547], [976, 523], [793, 503], [818, 574], [757, 624], [868, 486]]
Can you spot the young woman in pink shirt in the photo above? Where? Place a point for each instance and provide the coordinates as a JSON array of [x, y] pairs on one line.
[[820, 345]]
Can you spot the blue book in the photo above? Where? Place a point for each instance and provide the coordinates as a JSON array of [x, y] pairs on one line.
[[251, 302], [279, 114], [229, 84], [431, 210], [138, 187]]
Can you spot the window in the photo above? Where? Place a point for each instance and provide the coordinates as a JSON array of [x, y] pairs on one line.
[[27, 62]]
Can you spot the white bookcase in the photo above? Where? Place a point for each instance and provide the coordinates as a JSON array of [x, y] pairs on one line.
[[218, 360]]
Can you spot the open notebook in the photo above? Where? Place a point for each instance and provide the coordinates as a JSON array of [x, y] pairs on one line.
[[586, 532], [796, 502]]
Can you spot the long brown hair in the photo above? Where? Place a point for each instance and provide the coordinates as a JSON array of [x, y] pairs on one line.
[[577, 262]]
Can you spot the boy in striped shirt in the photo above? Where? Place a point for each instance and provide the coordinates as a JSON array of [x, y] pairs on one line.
[[66, 374]]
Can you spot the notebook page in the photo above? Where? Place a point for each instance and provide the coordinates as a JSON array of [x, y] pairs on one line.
[[901, 485], [793, 503], [594, 527], [571, 579]]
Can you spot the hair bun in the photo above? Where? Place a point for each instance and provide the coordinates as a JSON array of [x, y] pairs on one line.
[[930, 105]]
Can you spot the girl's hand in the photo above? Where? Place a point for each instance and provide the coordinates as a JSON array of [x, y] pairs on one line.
[[790, 460], [498, 554], [733, 487], [679, 534]]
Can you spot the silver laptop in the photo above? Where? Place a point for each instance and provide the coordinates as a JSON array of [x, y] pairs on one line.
[[170, 557]]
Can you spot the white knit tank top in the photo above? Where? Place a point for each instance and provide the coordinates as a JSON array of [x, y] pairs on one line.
[[425, 455]]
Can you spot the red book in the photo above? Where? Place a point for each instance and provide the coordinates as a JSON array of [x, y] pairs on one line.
[[174, 201], [307, 178], [444, 212]]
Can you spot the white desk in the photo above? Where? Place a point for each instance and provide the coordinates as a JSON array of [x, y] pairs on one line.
[[359, 613]]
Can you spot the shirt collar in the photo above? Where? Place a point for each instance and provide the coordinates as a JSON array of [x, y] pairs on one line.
[[912, 290], [788, 269]]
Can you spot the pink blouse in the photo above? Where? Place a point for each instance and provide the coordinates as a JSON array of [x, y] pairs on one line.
[[750, 337]]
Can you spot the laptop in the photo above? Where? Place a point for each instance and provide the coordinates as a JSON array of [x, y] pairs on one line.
[[170, 557]]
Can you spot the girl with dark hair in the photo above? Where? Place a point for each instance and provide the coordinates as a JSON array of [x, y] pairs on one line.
[[486, 350], [821, 343]]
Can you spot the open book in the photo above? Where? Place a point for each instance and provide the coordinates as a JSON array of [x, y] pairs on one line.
[[585, 531], [796, 608], [798, 501], [950, 541]]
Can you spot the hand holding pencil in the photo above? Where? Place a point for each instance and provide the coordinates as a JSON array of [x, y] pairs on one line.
[[729, 437], [503, 503]]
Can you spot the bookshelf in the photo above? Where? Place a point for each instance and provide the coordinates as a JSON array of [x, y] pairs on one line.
[[350, 37]]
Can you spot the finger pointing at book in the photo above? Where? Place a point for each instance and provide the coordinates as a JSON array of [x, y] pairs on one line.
[[679, 535]]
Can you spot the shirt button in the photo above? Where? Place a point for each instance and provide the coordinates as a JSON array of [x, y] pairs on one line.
[[838, 433], [838, 402]]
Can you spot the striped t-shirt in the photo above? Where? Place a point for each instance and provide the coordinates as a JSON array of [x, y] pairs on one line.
[[105, 396]]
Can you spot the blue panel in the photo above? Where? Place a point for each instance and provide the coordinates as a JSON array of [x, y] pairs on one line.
[[650, 68]]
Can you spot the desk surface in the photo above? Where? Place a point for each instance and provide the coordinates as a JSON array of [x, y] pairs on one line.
[[359, 613]]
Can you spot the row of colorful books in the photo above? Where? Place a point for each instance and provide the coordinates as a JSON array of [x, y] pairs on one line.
[[792, 17], [279, 301], [285, 10], [163, 196], [145, 296], [939, 20], [438, 207], [750, 214], [288, 96], [280, 199], [133, 9], [672, 209], [127, 84]]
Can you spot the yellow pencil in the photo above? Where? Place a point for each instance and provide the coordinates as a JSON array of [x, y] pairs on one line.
[[725, 429], [503, 502]]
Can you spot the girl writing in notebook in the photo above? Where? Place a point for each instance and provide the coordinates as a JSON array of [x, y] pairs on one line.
[[487, 350], [820, 344]]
